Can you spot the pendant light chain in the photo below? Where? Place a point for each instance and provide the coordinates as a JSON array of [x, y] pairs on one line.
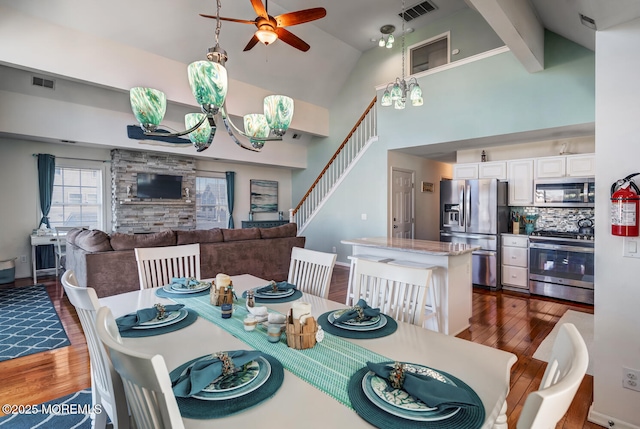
[[219, 5], [402, 18]]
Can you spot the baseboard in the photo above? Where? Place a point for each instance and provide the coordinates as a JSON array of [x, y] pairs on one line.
[[343, 264], [607, 421]]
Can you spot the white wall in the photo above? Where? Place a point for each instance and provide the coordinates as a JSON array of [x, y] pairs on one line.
[[20, 208], [617, 287]]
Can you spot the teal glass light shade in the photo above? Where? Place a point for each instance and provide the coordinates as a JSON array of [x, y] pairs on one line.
[[149, 106], [208, 81], [203, 132], [416, 93], [399, 104], [255, 125], [278, 110], [417, 102], [386, 99], [396, 92]]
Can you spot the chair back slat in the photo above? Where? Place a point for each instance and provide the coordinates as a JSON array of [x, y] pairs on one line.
[[157, 265], [311, 271]]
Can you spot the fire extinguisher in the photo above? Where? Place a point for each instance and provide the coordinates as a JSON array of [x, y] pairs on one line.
[[625, 199]]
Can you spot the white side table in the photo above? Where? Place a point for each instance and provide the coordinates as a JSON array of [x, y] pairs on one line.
[[40, 240]]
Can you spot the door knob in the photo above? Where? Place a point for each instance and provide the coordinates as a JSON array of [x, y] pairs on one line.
[[395, 226]]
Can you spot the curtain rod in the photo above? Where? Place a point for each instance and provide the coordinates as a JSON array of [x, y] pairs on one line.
[[75, 159], [210, 171]]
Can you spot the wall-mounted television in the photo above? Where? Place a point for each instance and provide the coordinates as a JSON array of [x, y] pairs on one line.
[[159, 186]]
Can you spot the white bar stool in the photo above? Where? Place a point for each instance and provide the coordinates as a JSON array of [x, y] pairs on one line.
[[433, 296], [353, 259]]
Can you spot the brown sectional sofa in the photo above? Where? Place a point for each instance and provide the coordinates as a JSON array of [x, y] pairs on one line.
[[107, 263]]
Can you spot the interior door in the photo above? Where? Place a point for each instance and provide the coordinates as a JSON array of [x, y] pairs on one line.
[[402, 201]]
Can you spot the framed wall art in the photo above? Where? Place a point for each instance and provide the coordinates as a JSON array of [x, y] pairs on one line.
[[426, 187], [264, 196]]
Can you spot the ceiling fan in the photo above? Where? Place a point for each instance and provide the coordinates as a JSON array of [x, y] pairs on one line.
[[271, 28]]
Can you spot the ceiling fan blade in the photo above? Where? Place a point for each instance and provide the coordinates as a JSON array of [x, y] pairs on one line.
[[259, 8], [241, 21], [254, 40], [288, 37], [301, 16]]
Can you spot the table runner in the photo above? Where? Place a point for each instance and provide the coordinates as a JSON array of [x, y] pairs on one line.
[[328, 366]]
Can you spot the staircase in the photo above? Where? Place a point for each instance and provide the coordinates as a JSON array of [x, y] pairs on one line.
[[361, 136]]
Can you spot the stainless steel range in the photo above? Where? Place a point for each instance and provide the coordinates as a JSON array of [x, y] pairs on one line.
[[561, 265]]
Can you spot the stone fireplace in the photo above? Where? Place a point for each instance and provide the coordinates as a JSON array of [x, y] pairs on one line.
[[132, 214]]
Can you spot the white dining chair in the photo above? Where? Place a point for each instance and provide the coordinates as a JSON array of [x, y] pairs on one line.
[[106, 385], [354, 258], [311, 271], [60, 248], [566, 368], [145, 377], [157, 265], [400, 292]]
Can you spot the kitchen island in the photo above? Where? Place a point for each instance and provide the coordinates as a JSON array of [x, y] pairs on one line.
[[451, 278]]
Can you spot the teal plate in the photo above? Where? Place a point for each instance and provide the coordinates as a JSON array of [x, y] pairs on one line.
[[168, 288], [236, 380], [262, 377], [371, 321], [381, 323], [279, 294]]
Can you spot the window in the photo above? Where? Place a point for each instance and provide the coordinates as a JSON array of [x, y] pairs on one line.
[[77, 198], [212, 210], [430, 54]]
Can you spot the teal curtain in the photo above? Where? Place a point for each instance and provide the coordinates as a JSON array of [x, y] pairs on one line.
[[45, 255], [231, 178]]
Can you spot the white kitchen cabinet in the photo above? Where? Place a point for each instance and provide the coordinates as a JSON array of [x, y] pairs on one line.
[[550, 167], [492, 170], [465, 171], [520, 177], [515, 261], [581, 165]]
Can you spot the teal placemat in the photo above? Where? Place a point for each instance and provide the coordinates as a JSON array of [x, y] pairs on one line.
[[466, 418], [296, 295], [137, 333], [198, 409], [328, 365], [387, 329]]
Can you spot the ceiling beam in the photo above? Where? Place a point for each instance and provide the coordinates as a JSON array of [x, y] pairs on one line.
[[517, 24]]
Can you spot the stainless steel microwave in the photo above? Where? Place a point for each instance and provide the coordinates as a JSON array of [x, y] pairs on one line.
[[564, 192]]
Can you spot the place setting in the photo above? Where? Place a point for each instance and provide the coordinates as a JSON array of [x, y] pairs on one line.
[[409, 395], [360, 321], [184, 287], [274, 293], [156, 320], [225, 383]]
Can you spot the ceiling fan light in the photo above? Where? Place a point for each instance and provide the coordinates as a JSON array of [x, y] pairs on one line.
[[203, 132], [267, 37], [149, 106], [208, 81], [278, 110], [381, 42], [386, 99], [390, 41]]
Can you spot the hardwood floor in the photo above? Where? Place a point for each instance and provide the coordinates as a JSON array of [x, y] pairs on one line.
[[506, 320]]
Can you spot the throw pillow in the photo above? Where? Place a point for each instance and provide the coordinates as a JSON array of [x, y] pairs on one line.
[[288, 230], [92, 240]]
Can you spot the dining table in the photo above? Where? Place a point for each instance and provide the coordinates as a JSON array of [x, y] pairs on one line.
[[299, 402]]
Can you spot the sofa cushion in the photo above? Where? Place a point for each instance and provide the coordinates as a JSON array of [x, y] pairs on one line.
[[213, 235], [120, 241], [288, 230], [72, 234], [92, 240], [241, 234]]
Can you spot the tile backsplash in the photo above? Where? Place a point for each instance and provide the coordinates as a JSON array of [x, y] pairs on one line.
[[557, 219]]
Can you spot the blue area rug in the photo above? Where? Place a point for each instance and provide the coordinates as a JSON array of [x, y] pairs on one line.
[[28, 322], [71, 411]]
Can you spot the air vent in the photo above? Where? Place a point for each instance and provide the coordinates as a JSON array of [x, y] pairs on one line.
[[418, 10], [45, 83]]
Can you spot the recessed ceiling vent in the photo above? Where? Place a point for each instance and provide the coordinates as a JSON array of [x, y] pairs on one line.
[[45, 83], [418, 10]]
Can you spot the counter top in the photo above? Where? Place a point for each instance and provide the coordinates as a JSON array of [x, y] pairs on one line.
[[412, 245]]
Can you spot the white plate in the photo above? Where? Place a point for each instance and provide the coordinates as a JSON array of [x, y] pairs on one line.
[[169, 317], [272, 295], [263, 376], [236, 380], [179, 288], [169, 289], [372, 321], [381, 323], [182, 314]]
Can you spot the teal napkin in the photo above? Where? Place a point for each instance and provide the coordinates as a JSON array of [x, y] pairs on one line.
[[128, 321], [203, 371], [282, 287], [352, 314], [184, 282], [434, 393]]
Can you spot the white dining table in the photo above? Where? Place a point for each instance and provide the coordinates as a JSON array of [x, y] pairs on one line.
[[299, 404]]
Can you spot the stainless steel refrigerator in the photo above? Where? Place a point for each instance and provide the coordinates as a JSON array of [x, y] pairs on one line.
[[476, 212]]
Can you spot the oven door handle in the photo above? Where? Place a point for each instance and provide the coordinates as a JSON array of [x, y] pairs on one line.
[[561, 247]]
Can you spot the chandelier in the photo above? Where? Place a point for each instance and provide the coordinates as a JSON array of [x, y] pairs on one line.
[[208, 82], [397, 92]]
